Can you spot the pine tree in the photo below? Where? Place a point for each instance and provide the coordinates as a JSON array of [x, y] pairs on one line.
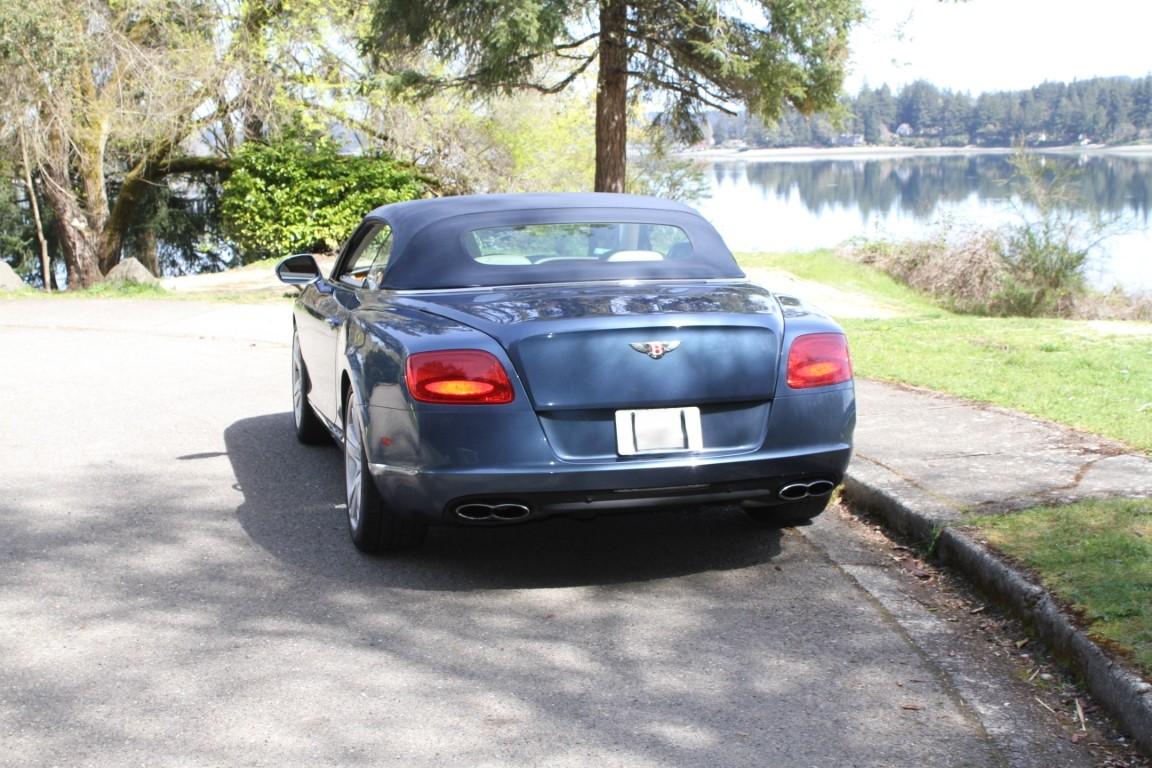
[[688, 54]]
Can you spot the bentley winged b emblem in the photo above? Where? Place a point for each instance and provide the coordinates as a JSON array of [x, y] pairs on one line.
[[654, 349]]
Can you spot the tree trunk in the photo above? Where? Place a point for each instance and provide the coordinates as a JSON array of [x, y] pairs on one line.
[[78, 242], [45, 260], [147, 250], [81, 255], [612, 97]]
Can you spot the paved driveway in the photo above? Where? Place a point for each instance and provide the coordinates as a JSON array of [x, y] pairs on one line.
[[177, 589]]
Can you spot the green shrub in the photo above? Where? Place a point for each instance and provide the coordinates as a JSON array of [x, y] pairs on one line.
[[1044, 272], [300, 194], [963, 273], [1033, 268]]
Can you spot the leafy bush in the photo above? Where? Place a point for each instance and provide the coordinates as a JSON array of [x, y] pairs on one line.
[[963, 273], [999, 274], [300, 194], [1044, 272], [1034, 268]]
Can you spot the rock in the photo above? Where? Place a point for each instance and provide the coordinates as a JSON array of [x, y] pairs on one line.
[[131, 271], [9, 280]]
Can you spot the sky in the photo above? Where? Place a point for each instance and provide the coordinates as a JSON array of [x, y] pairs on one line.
[[991, 45]]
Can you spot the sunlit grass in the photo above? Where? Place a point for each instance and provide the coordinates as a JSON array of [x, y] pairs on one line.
[[127, 290], [1096, 557], [156, 292], [826, 267], [1061, 370]]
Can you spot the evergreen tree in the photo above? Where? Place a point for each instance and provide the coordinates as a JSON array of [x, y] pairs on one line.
[[690, 53]]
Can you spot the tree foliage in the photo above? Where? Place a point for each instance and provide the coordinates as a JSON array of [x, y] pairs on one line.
[[1099, 110], [300, 194], [16, 237], [101, 92], [112, 98], [688, 55]]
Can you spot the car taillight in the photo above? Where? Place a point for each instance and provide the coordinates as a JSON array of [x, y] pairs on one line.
[[817, 360], [469, 376]]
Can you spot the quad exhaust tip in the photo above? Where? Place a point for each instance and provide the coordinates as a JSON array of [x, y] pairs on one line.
[[476, 511], [797, 491]]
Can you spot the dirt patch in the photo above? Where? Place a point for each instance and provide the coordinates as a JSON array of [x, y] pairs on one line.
[[826, 298], [257, 281], [1119, 327]]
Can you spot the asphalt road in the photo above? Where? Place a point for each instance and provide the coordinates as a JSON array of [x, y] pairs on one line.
[[177, 588]]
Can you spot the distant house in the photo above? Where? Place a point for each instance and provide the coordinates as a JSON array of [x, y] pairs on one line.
[[904, 130]]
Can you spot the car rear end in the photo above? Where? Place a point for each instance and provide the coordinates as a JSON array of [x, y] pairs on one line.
[[604, 398]]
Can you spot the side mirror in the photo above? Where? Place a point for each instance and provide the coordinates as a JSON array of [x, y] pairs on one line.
[[300, 269]]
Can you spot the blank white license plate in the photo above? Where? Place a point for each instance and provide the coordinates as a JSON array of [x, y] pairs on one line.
[[658, 430]]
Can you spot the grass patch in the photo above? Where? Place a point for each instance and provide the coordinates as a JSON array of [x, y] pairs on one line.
[[139, 291], [119, 291], [1059, 370], [1095, 556], [828, 268]]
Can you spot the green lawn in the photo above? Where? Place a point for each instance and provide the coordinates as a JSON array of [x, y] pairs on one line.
[[827, 267], [1061, 370], [1055, 369], [1097, 558]]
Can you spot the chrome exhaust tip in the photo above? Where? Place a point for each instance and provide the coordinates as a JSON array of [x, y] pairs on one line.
[[820, 487], [474, 511], [797, 491], [505, 511], [510, 511], [794, 492]]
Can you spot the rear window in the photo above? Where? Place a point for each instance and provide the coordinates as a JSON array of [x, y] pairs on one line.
[[588, 244], [504, 245]]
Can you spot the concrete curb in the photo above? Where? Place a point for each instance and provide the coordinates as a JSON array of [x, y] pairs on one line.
[[906, 509]]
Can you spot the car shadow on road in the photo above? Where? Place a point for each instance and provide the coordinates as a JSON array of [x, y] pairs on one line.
[[293, 508]]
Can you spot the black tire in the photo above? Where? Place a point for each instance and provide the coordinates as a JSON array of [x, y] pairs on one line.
[[793, 513], [309, 429], [372, 524]]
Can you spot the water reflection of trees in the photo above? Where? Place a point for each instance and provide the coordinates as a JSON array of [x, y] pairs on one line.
[[917, 185]]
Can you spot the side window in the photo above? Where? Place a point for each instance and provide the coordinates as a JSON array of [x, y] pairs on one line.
[[382, 246], [366, 265]]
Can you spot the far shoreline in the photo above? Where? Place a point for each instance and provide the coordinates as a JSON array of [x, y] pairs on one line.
[[801, 154]]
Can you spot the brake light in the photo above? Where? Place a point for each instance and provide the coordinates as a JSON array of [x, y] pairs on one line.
[[468, 376], [818, 360]]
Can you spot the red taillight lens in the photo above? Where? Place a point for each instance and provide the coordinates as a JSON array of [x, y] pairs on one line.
[[817, 360], [469, 376]]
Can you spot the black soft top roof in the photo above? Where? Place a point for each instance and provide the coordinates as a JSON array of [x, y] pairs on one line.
[[428, 250], [415, 214]]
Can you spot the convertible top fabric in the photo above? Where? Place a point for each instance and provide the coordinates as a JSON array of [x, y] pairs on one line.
[[428, 250]]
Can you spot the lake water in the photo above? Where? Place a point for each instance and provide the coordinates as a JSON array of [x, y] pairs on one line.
[[804, 203]]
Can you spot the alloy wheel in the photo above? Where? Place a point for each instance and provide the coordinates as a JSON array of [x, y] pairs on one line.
[[353, 465], [297, 384]]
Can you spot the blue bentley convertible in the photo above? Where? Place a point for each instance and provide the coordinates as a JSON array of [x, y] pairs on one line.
[[491, 359]]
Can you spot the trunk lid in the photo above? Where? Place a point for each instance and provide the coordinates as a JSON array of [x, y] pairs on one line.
[[593, 347]]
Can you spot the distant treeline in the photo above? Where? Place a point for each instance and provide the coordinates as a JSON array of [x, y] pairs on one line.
[[1106, 110]]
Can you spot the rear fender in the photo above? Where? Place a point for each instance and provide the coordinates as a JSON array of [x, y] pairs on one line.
[[376, 353]]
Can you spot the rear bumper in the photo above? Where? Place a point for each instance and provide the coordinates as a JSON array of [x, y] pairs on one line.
[[586, 490], [428, 462]]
